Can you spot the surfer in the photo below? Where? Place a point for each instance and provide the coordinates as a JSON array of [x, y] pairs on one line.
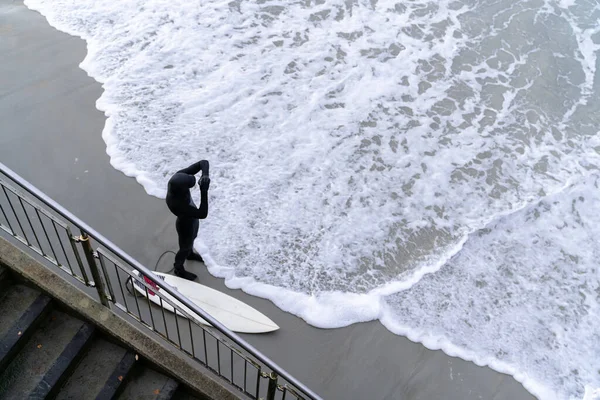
[[181, 204]]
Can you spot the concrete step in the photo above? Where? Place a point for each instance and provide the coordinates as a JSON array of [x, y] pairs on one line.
[[149, 384], [14, 301], [21, 310], [44, 361], [102, 372]]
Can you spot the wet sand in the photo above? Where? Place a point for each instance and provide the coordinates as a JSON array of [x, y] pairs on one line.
[[50, 134]]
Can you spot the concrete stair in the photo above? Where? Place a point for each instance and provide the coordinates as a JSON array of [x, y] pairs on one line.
[[48, 353]]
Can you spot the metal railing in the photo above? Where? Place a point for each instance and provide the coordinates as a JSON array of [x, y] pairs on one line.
[[39, 223]]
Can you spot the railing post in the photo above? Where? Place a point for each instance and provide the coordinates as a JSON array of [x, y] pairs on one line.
[[73, 240], [272, 388], [89, 255]]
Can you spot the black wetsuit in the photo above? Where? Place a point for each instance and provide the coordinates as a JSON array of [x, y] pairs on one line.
[[181, 204]]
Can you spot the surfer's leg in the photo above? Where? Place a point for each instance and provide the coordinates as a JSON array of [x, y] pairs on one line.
[[186, 243], [193, 255], [183, 251]]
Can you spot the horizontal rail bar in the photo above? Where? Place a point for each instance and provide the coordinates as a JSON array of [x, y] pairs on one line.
[[16, 193]]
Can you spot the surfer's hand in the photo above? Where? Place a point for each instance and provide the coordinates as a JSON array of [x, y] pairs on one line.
[[204, 183]]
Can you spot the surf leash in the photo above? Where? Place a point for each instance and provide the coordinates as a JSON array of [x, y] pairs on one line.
[[129, 281]]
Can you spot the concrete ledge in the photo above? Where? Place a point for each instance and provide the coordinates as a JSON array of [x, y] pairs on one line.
[[178, 365]]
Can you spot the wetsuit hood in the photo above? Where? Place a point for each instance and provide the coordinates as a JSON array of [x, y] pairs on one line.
[[181, 183]]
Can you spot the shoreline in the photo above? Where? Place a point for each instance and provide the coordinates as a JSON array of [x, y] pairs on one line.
[[336, 363]]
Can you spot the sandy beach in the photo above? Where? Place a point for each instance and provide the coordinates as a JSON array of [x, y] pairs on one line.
[[51, 136]]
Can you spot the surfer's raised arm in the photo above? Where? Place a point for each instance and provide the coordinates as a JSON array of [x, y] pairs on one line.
[[204, 183], [188, 211], [193, 169], [202, 211]]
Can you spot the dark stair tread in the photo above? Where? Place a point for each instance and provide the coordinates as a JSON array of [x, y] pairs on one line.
[[39, 366], [91, 375], [17, 332], [183, 394], [149, 384], [13, 304], [4, 278], [117, 381]]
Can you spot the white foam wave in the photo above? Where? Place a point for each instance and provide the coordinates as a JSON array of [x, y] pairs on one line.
[[523, 296]]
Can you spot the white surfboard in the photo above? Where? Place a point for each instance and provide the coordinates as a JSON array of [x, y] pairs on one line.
[[234, 314]]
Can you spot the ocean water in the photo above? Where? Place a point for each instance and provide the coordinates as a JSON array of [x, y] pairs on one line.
[[431, 164]]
